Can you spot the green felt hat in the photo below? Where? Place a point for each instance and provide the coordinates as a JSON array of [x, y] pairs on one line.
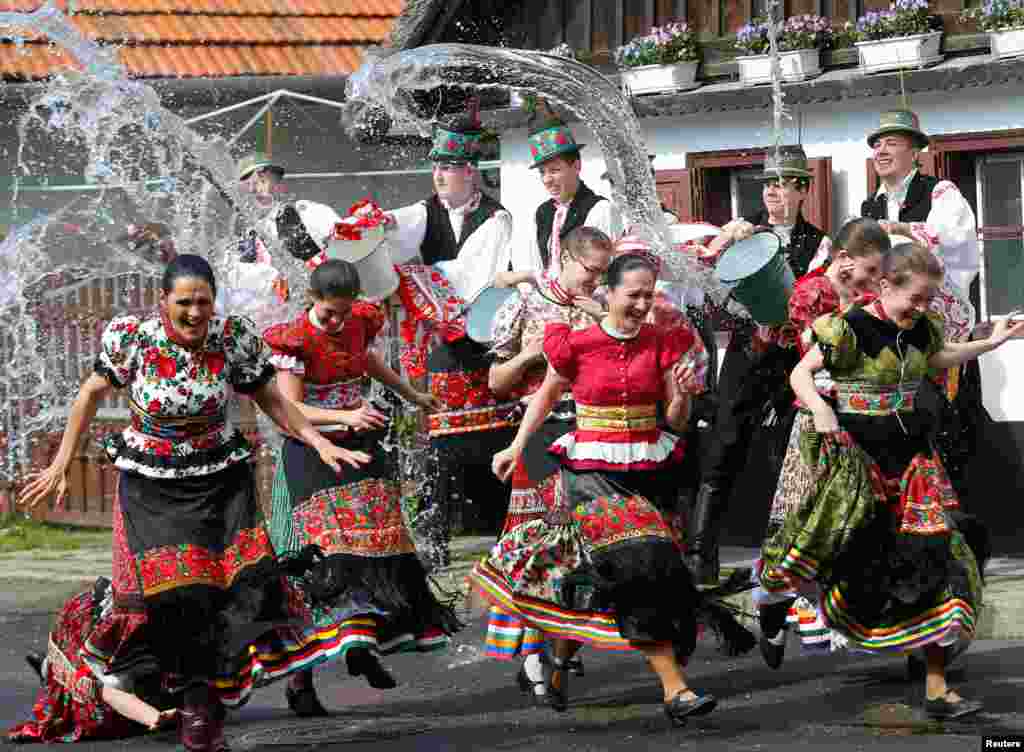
[[786, 162], [250, 163], [899, 121], [551, 140], [455, 145]]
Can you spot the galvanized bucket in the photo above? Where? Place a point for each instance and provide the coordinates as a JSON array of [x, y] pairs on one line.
[[372, 259], [760, 277], [482, 309]]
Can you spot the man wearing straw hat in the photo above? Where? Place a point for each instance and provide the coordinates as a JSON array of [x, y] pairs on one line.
[[754, 378], [449, 247], [572, 204], [935, 214]]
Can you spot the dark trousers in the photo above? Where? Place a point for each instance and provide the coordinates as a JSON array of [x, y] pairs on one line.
[[749, 387]]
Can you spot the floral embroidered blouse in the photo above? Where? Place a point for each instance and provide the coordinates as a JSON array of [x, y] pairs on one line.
[[876, 366], [332, 366], [179, 396], [617, 384]]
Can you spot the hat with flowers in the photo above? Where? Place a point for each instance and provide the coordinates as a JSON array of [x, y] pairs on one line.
[[550, 140]]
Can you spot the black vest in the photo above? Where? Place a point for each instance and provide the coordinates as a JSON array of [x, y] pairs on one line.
[[916, 206], [439, 243], [803, 242], [584, 200]]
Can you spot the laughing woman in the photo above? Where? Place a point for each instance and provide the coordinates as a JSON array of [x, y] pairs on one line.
[[597, 568], [194, 538], [371, 587], [878, 531]]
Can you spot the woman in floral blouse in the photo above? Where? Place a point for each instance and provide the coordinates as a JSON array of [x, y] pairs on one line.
[[597, 569], [878, 534], [208, 581], [371, 589]]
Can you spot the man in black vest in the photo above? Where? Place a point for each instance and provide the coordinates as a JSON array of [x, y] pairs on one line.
[[755, 370], [467, 237], [935, 214], [556, 155]]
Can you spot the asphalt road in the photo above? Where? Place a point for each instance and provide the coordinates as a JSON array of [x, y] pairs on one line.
[[458, 700]]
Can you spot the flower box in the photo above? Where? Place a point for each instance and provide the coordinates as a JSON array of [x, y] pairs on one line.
[[652, 79], [916, 51], [797, 65], [1009, 43]]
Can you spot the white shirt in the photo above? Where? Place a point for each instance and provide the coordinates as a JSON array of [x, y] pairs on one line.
[[485, 253], [950, 230]]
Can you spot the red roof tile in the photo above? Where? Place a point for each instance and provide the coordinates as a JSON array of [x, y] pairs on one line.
[[184, 38]]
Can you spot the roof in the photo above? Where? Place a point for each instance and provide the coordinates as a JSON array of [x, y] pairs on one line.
[[212, 38]]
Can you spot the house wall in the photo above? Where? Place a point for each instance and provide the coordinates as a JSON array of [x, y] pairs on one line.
[[836, 130]]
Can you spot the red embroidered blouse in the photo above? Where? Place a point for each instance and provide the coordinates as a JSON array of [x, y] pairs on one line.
[[330, 364], [617, 384]]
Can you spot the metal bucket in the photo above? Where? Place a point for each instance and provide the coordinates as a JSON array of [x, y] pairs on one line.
[[760, 277], [481, 311], [372, 259]]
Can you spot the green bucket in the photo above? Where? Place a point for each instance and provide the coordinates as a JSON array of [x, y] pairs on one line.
[[759, 275]]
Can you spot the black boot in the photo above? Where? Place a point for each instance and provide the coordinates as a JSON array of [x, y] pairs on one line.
[[702, 535]]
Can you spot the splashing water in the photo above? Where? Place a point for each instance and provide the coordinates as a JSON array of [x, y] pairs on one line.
[[780, 112], [598, 102]]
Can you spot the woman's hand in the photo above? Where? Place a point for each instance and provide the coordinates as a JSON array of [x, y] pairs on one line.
[[426, 400], [1005, 329], [504, 463], [684, 376], [333, 456], [164, 719], [589, 306], [364, 418], [53, 479], [825, 420]]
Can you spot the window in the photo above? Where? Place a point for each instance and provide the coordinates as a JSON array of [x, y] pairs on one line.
[[1000, 188], [745, 188]]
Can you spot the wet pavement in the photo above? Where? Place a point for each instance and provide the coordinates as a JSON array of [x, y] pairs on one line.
[[457, 700]]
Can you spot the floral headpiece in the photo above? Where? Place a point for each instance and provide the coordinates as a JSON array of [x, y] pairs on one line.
[[637, 246], [362, 216]]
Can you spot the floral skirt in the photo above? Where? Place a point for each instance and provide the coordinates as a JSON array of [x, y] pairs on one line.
[[69, 707], [195, 578], [371, 588], [535, 486], [892, 569], [598, 569]]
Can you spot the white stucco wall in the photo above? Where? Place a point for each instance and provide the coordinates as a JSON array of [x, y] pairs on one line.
[[831, 129]]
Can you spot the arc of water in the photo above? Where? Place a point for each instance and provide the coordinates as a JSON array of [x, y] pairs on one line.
[[579, 88]]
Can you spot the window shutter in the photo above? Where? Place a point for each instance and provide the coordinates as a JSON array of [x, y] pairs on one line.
[[818, 206], [675, 189]]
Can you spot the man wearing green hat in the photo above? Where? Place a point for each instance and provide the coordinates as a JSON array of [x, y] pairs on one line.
[[261, 175], [935, 214], [932, 212], [556, 156], [754, 379], [464, 240]]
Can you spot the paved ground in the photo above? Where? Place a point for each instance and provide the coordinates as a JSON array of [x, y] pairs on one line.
[[458, 700]]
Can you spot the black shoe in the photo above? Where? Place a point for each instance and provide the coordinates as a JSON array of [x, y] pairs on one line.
[[529, 686], [773, 654], [304, 702], [678, 710], [942, 709], [35, 660], [575, 665], [702, 535], [558, 697], [361, 662]]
